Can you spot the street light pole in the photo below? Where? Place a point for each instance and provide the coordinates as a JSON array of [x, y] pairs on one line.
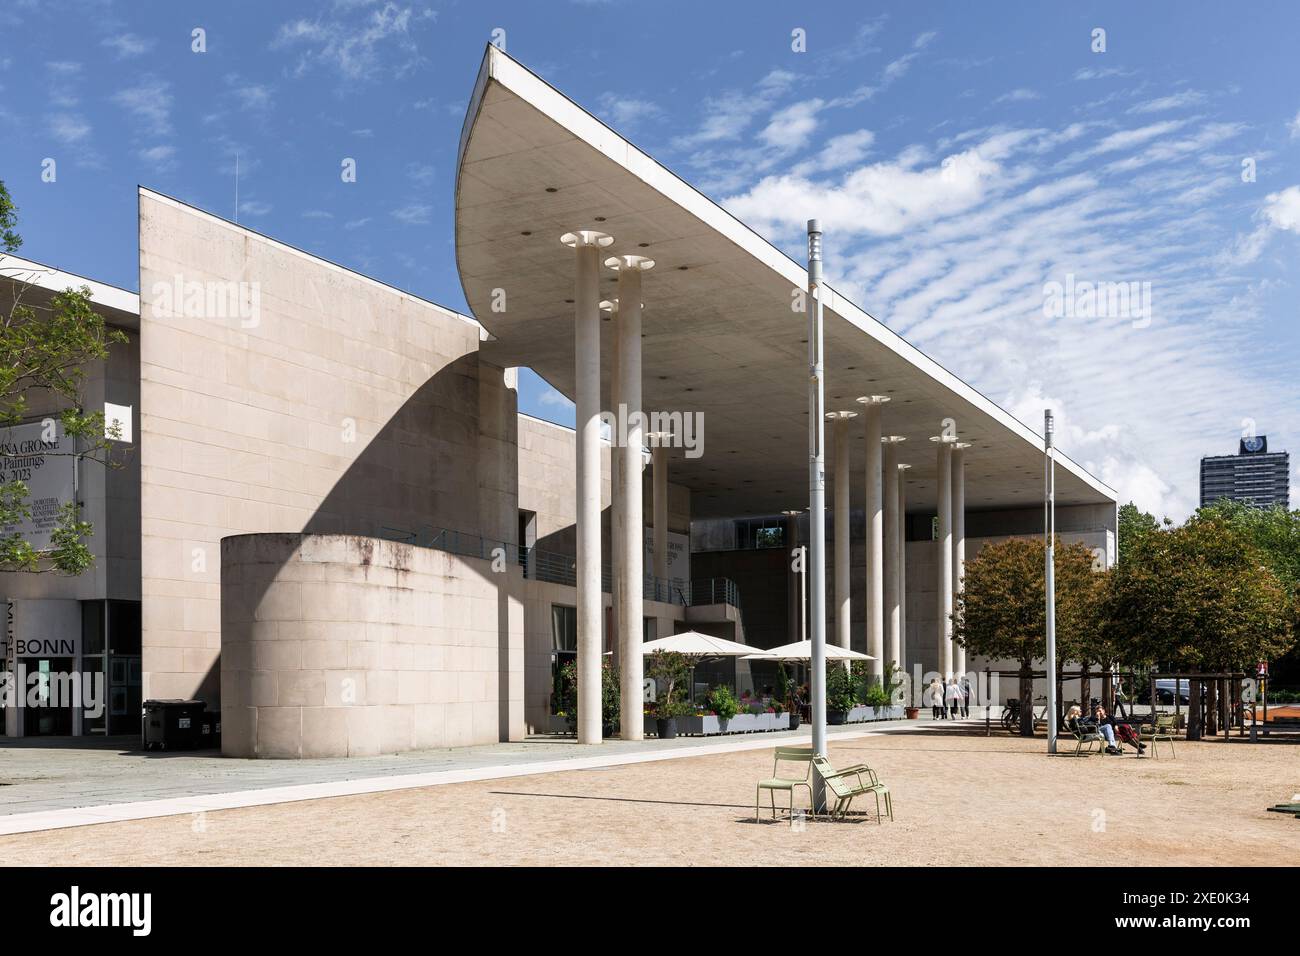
[[1049, 528], [817, 503]]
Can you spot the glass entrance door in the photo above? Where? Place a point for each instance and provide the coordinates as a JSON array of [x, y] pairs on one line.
[[46, 716]]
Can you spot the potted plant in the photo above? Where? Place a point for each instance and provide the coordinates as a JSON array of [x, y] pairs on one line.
[[669, 670], [841, 694], [878, 698], [724, 706]]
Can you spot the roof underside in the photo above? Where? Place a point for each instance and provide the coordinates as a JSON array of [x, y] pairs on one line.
[[720, 336]]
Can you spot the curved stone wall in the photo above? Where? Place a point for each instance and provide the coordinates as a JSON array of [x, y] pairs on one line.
[[340, 645]]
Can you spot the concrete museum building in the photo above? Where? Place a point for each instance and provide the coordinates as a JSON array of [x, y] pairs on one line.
[[334, 526]]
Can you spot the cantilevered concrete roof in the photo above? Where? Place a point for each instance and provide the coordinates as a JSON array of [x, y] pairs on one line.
[[720, 335], [39, 283]]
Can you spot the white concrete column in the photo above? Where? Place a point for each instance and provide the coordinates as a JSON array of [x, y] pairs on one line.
[[610, 308], [893, 615], [659, 501], [843, 543], [902, 567], [875, 519], [586, 397], [958, 538], [943, 560], [631, 571]]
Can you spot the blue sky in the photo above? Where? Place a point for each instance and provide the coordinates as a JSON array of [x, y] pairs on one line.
[[961, 156]]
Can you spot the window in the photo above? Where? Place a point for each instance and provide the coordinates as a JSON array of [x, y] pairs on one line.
[[564, 628], [760, 533]]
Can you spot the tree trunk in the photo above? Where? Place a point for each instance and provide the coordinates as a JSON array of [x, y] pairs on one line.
[[1085, 689], [1108, 691], [1026, 701]]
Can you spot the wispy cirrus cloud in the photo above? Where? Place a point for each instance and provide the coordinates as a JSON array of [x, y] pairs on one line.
[[127, 45], [358, 41], [952, 244]]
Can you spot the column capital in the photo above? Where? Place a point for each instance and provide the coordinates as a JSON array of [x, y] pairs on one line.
[[903, 466], [872, 400], [587, 237], [961, 445], [658, 439], [840, 416], [944, 439], [892, 439], [630, 263]]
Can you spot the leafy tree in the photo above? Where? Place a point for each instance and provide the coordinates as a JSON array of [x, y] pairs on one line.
[[1002, 610], [670, 672], [1199, 597], [44, 353], [1133, 523]]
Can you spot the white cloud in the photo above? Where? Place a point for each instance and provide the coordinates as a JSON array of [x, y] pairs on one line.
[[160, 157], [128, 45], [380, 41], [880, 199], [149, 103], [1173, 102], [69, 128], [1282, 209], [791, 127], [1294, 126], [413, 214], [1019, 95], [627, 111], [254, 207]]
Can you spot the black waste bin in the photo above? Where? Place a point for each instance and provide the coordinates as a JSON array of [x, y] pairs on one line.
[[210, 729], [172, 724]]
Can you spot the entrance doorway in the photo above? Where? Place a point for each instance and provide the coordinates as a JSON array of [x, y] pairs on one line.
[[46, 716]]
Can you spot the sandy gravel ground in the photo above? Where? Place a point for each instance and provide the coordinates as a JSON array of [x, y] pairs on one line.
[[958, 799]]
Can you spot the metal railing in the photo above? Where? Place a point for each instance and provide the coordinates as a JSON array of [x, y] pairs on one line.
[[556, 568]]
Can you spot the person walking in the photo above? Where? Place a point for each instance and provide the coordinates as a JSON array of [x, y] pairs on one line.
[[936, 699], [954, 697], [965, 696]]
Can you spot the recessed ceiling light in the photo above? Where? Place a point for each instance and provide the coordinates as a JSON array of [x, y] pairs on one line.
[[681, 268], [568, 301], [600, 218], [643, 245], [526, 232], [551, 189]]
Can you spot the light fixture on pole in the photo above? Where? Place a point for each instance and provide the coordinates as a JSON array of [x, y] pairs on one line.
[[817, 503], [1049, 528]]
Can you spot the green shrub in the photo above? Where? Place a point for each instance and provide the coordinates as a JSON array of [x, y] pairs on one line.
[[723, 703], [841, 688]]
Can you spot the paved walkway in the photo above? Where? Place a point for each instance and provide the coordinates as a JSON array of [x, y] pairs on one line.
[[77, 781]]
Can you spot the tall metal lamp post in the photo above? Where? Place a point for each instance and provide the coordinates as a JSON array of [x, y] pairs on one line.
[[817, 502], [1049, 528]]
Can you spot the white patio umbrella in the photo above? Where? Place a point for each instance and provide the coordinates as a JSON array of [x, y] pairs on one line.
[[802, 651], [698, 647], [701, 645]]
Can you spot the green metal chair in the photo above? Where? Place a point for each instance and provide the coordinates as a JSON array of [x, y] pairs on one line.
[[780, 781], [851, 782], [1165, 727], [1086, 734]]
